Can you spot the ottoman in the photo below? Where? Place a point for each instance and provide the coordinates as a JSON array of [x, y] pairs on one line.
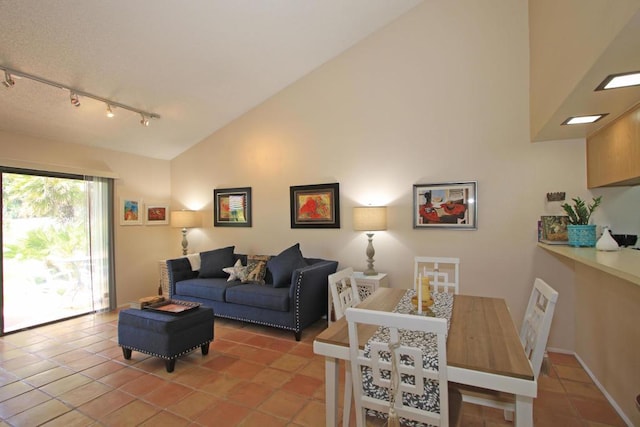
[[165, 335]]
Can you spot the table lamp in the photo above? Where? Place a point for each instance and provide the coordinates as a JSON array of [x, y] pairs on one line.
[[185, 219], [370, 218]]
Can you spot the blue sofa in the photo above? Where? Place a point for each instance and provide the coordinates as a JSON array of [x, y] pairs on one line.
[[290, 293]]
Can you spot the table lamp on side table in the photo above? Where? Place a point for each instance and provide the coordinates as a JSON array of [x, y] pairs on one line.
[[185, 219], [370, 218]]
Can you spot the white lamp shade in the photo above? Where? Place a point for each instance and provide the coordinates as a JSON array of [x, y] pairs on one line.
[[185, 219], [370, 218]]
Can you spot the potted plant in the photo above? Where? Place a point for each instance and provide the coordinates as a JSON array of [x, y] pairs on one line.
[[581, 233]]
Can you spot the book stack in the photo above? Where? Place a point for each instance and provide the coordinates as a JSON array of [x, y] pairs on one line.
[[146, 301]]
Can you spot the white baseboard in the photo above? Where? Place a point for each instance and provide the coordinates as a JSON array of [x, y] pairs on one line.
[[596, 382]]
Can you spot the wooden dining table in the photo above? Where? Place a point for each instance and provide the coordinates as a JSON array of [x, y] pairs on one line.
[[483, 350]]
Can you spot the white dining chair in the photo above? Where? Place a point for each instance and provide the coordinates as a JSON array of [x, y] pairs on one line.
[[533, 336], [344, 291], [344, 294], [398, 368], [443, 273]]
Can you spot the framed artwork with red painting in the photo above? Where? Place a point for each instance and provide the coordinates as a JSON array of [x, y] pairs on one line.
[[157, 214], [315, 206], [447, 205]]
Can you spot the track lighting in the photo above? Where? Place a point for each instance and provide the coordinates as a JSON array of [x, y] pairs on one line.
[[73, 97], [75, 94], [8, 80]]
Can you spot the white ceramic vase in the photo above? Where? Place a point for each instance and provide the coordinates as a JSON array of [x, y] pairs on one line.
[[606, 242]]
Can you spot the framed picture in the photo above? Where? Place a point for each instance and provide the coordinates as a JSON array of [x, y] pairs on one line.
[[315, 206], [157, 214], [554, 229], [448, 205], [130, 212], [232, 207]]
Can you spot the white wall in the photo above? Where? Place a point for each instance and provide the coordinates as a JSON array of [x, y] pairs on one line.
[[441, 95]]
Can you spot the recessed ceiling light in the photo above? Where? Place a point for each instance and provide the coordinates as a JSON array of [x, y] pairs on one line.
[[615, 81], [580, 120]]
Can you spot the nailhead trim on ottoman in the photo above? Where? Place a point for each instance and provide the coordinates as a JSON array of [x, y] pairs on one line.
[[164, 335]]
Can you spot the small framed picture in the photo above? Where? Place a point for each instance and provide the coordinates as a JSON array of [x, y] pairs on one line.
[[554, 229], [447, 205], [232, 207], [130, 212], [315, 206], [157, 214]]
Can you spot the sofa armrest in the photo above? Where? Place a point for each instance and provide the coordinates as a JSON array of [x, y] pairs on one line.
[[179, 269], [309, 290]]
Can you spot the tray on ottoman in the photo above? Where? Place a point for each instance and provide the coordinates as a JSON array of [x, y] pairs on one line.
[[173, 306], [165, 335]]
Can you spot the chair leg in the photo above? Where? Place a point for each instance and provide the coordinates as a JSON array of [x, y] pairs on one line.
[[348, 393]]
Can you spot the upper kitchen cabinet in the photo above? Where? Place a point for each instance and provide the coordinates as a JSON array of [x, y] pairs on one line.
[[613, 152]]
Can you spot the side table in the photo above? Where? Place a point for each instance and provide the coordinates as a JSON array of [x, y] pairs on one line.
[[369, 284], [366, 286]]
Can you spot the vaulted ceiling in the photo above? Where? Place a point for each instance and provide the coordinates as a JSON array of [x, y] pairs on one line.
[[200, 64]]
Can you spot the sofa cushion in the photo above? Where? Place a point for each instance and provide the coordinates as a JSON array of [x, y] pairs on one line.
[[257, 268], [213, 262], [212, 288], [255, 295], [283, 264]]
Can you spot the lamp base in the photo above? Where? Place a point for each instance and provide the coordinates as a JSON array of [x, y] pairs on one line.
[[185, 243], [370, 253]]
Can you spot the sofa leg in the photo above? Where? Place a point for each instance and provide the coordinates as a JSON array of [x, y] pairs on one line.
[[298, 335], [126, 352], [171, 364]]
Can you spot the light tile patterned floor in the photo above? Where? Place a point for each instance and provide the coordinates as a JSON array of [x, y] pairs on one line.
[[73, 374]]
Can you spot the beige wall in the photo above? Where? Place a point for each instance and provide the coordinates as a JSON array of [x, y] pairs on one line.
[[137, 248], [441, 95]]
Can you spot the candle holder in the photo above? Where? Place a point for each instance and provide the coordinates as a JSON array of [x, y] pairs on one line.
[[425, 303], [424, 294]]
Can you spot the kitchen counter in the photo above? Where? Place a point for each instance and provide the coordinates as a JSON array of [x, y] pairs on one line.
[[603, 299], [624, 263]]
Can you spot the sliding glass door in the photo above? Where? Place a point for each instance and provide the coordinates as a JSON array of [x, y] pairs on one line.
[[56, 247]]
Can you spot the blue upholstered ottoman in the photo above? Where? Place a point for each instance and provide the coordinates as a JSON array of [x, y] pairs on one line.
[[165, 335]]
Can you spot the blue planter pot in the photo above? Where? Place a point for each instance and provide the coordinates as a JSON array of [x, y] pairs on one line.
[[582, 235]]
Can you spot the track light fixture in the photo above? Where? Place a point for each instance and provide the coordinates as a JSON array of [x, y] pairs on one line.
[[8, 80], [74, 94], [73, 97]]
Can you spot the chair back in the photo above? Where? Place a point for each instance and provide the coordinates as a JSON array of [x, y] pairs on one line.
[[537, 322], [344, 291], [443, 273], [397, 366]]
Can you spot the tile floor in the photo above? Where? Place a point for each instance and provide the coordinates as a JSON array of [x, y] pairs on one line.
[[73, 374]]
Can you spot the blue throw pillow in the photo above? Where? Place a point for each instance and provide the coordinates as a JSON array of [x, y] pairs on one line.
[[282, 265], [213, 262]]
